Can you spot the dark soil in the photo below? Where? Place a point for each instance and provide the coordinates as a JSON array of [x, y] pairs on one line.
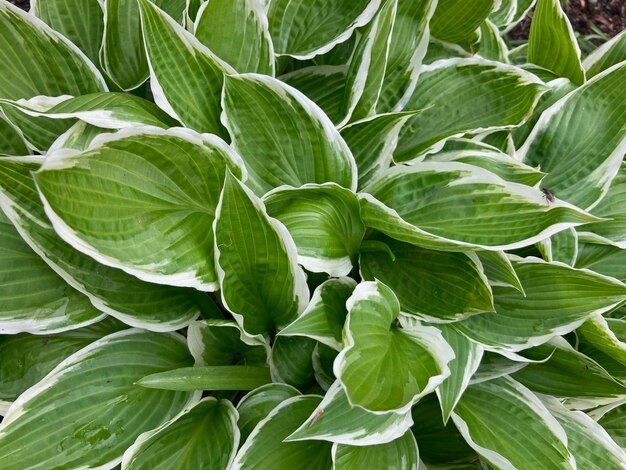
[[587, 17], [23, 4]]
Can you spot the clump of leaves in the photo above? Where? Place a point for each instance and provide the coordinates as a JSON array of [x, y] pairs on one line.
[[350, 234]]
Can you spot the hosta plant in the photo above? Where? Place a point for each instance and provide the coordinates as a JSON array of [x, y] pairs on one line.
[[295, 234]]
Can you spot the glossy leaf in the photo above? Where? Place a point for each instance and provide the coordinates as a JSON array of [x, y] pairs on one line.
[[88, 410], [208, 378], [283, 137], [261, 283], [385, 367]]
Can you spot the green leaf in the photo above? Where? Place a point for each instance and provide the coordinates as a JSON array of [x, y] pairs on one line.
[[88, 411], [495, 96], [291, 361], [304, 29], [324, 317], [262, 285], [283, 137], [384, 366], [434, 285], [11, 140], [208, 378], [612, 208], [123, 55], [237, 32], [36, 60], [564, 246], [499, 270], [336, 420], [567, 373], [149, 205], [223, 343], [409, 41], [562, 134], [372, 142], [456, 20], [608, 54], [502, 16], [613, 422], [589, 443], [460, 207], [492, 45], [105, 110], [492, 160], [368, 64], [186, 78], [80, 22], [558, 300], [439, 442], [258, 403], [78, 137], [399, 454], [25, 359], [34, 298], [112, 291], [201, 436], [322, 84], [552, 43], [39, 133], [324, 222], [607, 335], [468, 356], [265, 447], [483, 416]]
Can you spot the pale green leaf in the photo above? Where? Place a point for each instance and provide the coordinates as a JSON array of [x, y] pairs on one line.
[[552, 44], [112, 291], [567, 373], [494, 96], [123, 55], [336, 420], [456, 20], [34, 298], [434, 285], [468, 356], [324, 317], [304, 28], [608, 54], [203, 436], [572, 127], [387, 365], [186, 78], [88, 410], [258, 403], [564, 247], [502, 16], [409, 41], [81, 22], [499, 270], [492, 46], [208, 378], [223, 343], [261, 283], [36, 60], [237, 32], [283, 137], [372, 142], [557, 300], [607, 335], [78, 137], [614, 422], [324, 222], [589, 443], [484, 417], [459, 207], [25, 359], [152, 224], [265, 447], [401, 454], [368, 65]]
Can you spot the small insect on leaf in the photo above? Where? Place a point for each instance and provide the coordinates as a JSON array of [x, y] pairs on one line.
[[548, 195], [318, 415]]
